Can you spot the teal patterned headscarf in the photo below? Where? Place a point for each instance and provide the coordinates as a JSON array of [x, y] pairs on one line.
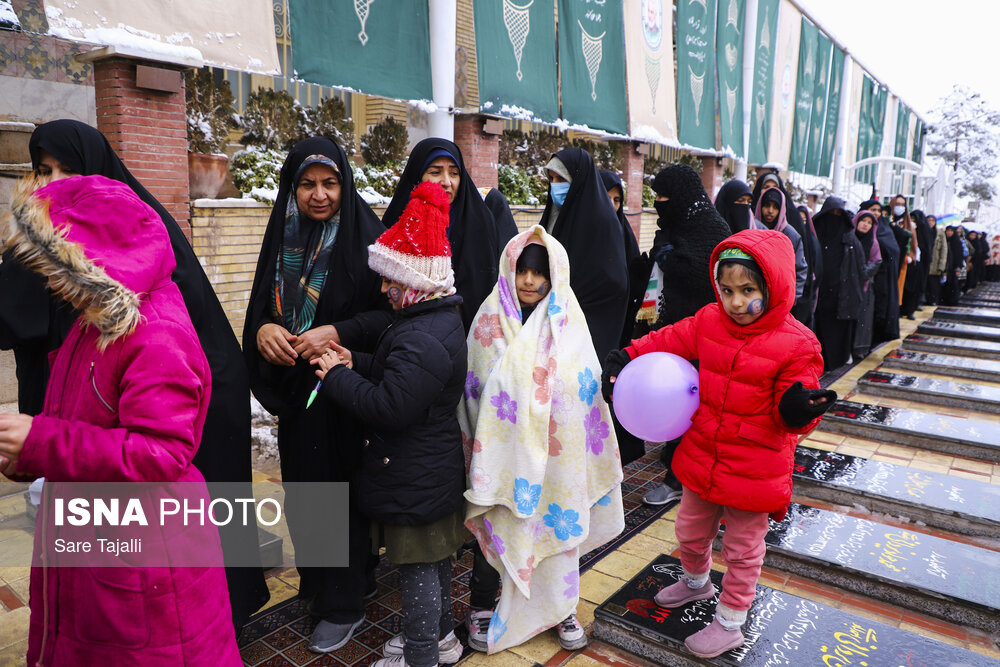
[[305, 250]]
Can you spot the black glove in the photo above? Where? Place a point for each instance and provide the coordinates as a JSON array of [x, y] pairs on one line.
[[613, 365], [799, 406]]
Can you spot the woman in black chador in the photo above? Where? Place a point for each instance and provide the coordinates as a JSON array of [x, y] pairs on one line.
[[688, 229], [33, 323], [472, 231], [841, 290], [313, 285], [579, 214]]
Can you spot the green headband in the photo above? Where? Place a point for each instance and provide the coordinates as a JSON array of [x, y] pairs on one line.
[[734, 253]]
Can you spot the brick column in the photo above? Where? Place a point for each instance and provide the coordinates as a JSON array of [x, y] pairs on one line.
[[480, 150], [711, 174], [148, 130], [634, 168]]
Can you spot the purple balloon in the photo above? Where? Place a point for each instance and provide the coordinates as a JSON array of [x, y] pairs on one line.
[[656, 395]]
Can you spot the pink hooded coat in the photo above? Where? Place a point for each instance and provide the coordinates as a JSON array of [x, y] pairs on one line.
[[126, 402]]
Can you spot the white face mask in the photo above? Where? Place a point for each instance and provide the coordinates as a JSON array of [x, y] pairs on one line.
[[898, 211]]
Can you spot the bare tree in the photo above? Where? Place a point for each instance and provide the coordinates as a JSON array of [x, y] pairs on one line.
[[964, 135]]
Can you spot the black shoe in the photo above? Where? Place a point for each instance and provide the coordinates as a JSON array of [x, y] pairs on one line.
[[910, 317]]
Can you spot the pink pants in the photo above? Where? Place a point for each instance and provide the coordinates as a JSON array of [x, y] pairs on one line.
[[742, 545]]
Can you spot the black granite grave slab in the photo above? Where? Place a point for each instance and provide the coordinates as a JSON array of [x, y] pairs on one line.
[[983, 316], [943, 364], [953, 581], [943, 501], [781, 629], [935, 327], [979, 303], [928, 390], [940, 433], [947, 345]]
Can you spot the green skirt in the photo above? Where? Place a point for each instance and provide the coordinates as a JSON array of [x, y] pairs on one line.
[[428, 543]]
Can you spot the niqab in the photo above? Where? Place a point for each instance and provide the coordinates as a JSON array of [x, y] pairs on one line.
[[737, 216]]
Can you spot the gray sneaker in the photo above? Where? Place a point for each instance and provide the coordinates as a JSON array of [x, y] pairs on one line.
[[330, 636], [661, 494]]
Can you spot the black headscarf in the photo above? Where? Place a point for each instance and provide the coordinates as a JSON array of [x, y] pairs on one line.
[[688, 229], [224, 452], [802, 311], [867, 238], [472, 233], [504, 219], [589, 230], [638, 267], [737, 216], [350, 288]]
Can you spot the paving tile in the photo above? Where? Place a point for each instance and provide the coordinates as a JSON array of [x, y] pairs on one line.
[[818, 444], [852, 602], [662, 530], [622, 565], [9, 599], [972, 465], [13, 626], [585, 612], [644, 546], [597, 587], [581, 660], [927, 632], [539, 648], [14, 655], [503, 659], [979, 477]]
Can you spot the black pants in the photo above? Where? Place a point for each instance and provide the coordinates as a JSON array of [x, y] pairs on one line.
[[485, 582], [933, 290], [835, 337]]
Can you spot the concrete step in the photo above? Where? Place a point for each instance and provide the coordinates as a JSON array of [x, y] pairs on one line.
[[939, 433], [982, 316], [935, 327], [985, 370], [947, 345], [929, 390], [964, 506]]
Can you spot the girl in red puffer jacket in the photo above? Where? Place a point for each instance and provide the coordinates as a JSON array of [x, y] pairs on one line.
[[735, 461]]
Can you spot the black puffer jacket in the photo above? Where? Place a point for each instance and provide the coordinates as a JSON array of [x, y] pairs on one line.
[[407, 392]]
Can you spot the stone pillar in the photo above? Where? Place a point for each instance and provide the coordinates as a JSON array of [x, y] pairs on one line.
[[145, 123], [634, 168], [711, 174], [480, 148]]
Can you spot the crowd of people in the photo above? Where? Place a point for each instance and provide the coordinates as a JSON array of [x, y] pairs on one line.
[[466, 375]]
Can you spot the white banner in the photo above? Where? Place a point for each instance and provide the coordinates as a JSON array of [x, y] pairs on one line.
[[233, 34]]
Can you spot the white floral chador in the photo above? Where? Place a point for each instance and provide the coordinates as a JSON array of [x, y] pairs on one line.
[[544, 470]]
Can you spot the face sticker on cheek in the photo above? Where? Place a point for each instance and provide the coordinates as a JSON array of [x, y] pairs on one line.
[[543, 289], [755, 307], [395, 294]]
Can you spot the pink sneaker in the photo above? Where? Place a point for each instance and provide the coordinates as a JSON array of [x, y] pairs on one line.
[[679, 593], [713, 640]]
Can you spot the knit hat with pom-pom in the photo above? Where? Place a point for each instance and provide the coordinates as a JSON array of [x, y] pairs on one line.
[[415, 252]]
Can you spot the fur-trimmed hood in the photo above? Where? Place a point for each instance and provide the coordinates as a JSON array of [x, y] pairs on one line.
[[98, 244]]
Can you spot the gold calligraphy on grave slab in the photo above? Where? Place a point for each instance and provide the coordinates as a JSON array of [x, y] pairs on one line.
[[892, 550], [852, 647]]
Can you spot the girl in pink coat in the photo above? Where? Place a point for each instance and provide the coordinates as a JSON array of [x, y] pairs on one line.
[[126, 402]]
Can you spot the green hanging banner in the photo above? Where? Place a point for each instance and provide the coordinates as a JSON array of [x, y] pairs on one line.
[[918, 141], [763, 76], [817, 119], [902, 129], [368, 46], [695, 73], [880, 99], [832, 114], [806, 81], [516, 55], [729, 61], [592, 64], [865, 125]]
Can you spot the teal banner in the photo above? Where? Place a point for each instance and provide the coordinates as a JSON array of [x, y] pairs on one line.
[[368, 46], [880, 99], [592, 64], [918, 141], [864, 126], [817, 119], [808, 71], [516, 54], [696, 73], [902, 130], [763, 76], [832, 113], [729, 63]]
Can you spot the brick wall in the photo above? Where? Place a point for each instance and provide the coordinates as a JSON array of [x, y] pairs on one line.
[[148, 131], [480, 151]]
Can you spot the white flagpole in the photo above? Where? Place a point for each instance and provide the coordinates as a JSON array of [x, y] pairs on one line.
[[443, 26]]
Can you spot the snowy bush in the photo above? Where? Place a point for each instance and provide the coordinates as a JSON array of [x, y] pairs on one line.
[[518, 186], [210, 111], [377, 183], [330, 119], [385, 143], [255, 172], [272, 119]]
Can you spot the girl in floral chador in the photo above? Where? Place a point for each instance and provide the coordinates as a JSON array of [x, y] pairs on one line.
[[544, 470]]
